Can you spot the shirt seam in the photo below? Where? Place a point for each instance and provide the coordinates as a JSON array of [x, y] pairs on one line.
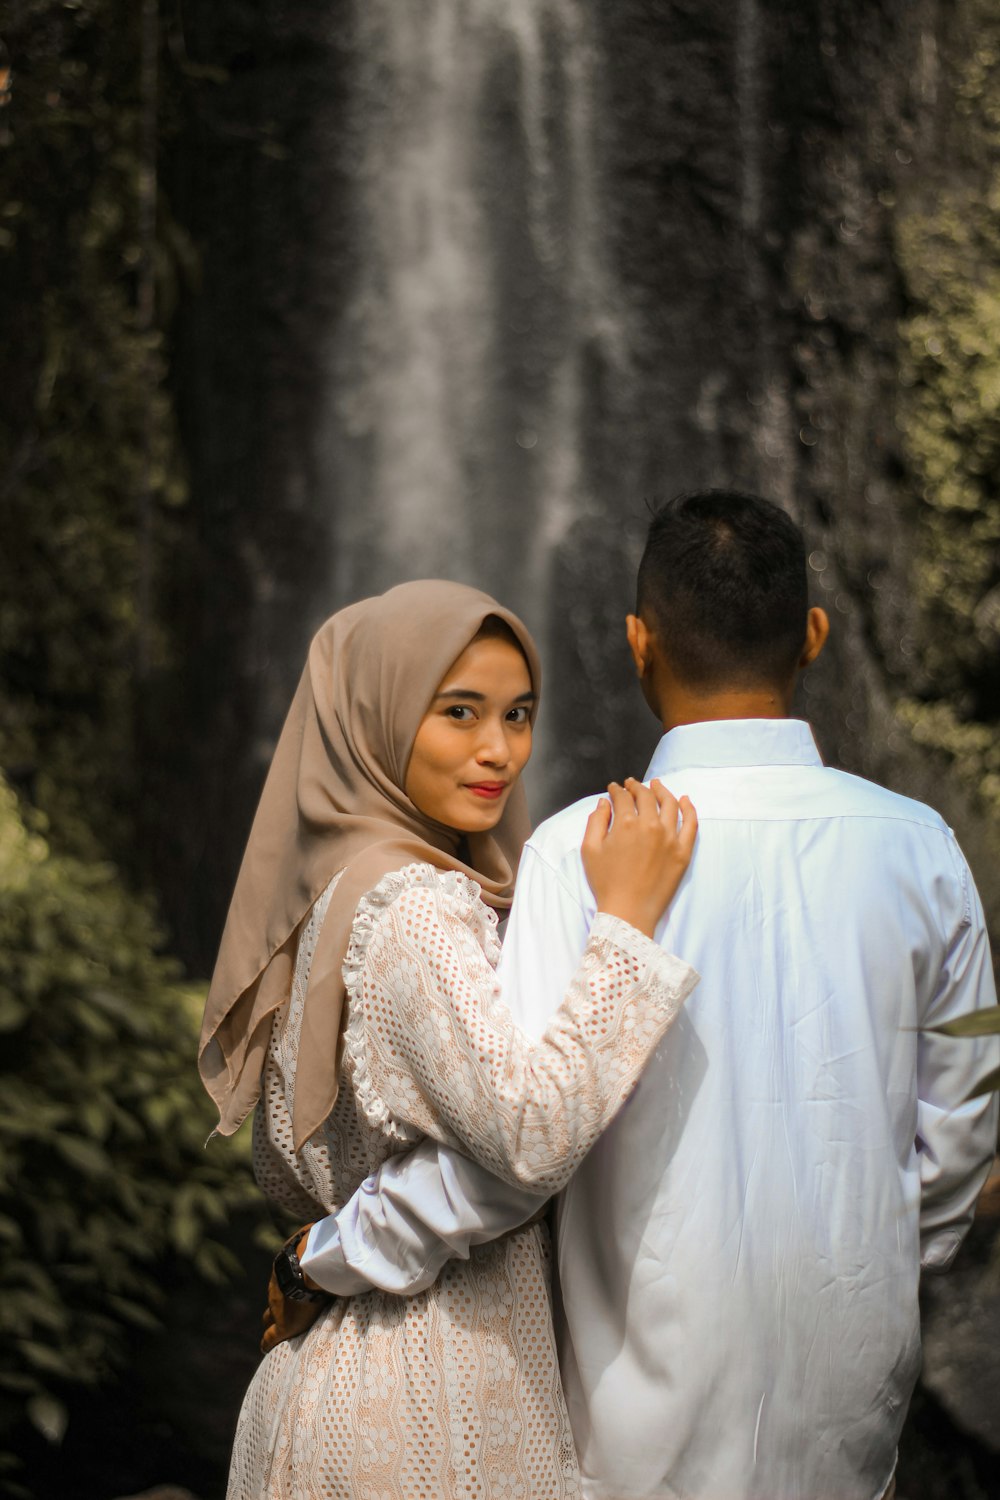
[[736, 765], [962, 871], [556, 873], [711, 817]]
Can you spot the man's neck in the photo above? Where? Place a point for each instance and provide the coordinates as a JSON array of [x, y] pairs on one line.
[[681, 707]]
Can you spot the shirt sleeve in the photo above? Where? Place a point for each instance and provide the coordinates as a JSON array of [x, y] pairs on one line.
[[433, 1052], [422, 1209], [407, 1220], [956, 1135]]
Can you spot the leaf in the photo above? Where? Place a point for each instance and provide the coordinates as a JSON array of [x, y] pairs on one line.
[[12, 1012], [9, 1228], [85, 1155], [215, 1263], [42, 1356], [988, 1085], [159, 1110], [49, 1416], [14, 1380], [27, 1310], [95, 1114], [975, 1023], [134, 1312]]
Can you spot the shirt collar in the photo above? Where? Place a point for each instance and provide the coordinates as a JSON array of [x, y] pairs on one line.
[[735, 742]]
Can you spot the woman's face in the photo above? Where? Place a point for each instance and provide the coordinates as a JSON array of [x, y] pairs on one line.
[[474, 740]]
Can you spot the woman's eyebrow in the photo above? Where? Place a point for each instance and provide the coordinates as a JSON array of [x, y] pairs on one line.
[[528, 697]]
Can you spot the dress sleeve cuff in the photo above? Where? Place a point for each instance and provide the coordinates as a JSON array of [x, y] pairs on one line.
[[324, 1261], [655, 962]]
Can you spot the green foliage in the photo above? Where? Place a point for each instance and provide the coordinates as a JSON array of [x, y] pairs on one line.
[[105, 1188], [977, 1023], [86, 431], [103, 1171], [949, 415], [952, 425], [973, 748]]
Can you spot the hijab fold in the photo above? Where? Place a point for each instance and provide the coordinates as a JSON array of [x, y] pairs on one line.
[[334, 800]]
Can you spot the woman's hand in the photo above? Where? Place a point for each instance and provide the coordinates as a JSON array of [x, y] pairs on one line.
[[635, 863], [285, 1318]]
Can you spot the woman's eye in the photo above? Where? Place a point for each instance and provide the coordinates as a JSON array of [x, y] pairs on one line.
[[460, 713], [519, 715]]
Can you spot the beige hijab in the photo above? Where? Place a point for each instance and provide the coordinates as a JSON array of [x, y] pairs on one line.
[[334, 800]]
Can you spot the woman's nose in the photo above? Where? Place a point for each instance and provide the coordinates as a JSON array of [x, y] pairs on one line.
[[493, 748]]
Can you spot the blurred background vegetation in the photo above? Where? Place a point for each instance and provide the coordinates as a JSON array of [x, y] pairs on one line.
[[112, 1213], [797, 220]]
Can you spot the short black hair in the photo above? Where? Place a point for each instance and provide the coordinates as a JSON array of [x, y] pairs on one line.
[[722, 584]]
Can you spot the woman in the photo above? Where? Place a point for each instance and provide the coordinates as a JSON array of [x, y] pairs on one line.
[[386, 840]]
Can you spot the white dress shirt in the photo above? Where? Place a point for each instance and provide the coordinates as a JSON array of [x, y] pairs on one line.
[[739, 1254]]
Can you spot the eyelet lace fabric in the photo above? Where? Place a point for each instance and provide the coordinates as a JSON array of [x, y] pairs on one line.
[[455, 1391]]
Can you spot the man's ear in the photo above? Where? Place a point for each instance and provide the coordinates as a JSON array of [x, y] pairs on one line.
[[639, 643], [817, 630]]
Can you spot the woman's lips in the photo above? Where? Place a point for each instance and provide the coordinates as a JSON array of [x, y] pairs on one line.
[[488, 790]]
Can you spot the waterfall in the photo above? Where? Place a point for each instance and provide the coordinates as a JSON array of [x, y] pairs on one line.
[[457, 378], [774, 437], [475, 278]]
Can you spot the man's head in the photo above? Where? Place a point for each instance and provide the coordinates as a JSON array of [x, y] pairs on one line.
[[722, 617]]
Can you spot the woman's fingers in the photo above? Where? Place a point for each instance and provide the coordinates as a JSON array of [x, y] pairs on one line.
[[637, 845], [666, 802], [688, 829], [647, 806], [597, 825], [622, 801], [644, 798]]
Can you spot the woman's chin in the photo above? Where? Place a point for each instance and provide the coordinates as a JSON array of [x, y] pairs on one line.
[[476, 819]]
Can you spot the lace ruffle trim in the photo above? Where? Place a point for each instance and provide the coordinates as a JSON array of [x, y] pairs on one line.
[[462, 896]]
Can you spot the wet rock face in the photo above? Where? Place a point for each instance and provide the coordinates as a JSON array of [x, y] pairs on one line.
[[472, 292], [961, 1334], [950, 1448], [748, 177]]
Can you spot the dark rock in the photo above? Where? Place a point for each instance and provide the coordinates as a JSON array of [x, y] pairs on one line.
[[961, 1333], [162, 1492]]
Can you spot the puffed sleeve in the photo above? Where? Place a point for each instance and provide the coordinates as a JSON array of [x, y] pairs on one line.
[[434, 1053]]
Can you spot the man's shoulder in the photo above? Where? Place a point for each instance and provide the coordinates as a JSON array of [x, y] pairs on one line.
[[560, 835], [863, 798], [825, 792]]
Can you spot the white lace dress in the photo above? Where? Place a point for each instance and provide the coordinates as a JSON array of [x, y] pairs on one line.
[[456, 1391]]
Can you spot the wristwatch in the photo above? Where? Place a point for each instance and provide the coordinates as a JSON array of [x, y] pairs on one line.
[[289, 1276]]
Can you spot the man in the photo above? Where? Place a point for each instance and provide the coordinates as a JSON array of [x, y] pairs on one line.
[[739, 1254]]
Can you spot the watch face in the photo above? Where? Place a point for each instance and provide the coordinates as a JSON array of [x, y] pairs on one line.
[[289, 1279]]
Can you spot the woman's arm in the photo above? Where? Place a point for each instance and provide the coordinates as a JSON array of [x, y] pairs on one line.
[[434, 1052], [424, 1207]]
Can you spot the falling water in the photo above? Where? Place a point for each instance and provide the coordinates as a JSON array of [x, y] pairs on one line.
[[458, 372], [773, 440]]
